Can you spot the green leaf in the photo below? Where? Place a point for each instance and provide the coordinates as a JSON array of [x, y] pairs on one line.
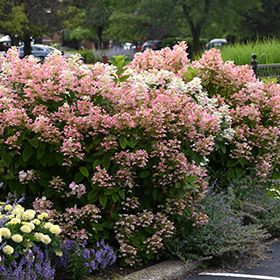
[[33, 142], [97, 139], [192, 187], [59, 158], [20, 189], [78, 177], [9, 175], [44, 161], [132, 142], [190, 179], [144, 174], [106, 162], [276, 175], [27, 153], [96, 163], [123, 142], [84, 171], [223, 148], [41, 151], [49, 192], [6, 158], [99, 153], [98, 227], [155, 194], [121, 193], [13, 185], [231, 174], [231, 162], [115, 197], [178, 185], [238, 171], [103, 200], [51, 159], [93, 193]]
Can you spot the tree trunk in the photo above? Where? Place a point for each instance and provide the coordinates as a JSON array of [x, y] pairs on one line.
[[99, 31], [196, 40], [27, 44]]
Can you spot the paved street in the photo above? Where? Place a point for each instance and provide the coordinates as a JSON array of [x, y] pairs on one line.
[[268, 270]]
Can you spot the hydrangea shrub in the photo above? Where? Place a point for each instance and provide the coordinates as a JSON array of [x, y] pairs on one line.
[[132, 140]]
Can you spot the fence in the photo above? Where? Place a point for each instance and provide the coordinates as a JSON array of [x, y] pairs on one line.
[[265, 70]]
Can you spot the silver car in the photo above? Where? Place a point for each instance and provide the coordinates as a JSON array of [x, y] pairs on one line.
[[40, 51]]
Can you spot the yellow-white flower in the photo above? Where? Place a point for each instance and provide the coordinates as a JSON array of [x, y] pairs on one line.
[[38, 236], [8, 250], [14, 221], [42, 216], [17, 238], [55, 229], [31, 225], [48, 225], [18, 211], [36, 222], [8, 207], [58, 253], [28, 214], [46, 239], [25, 229], [5, 232]]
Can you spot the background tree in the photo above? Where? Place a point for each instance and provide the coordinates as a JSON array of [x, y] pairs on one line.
[[96, 17], [33, 18], [148, 19], [215, 16]]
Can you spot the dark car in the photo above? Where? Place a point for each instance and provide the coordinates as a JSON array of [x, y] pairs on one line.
[[5, 43], [39, 51], [154, 45], [216, 43]]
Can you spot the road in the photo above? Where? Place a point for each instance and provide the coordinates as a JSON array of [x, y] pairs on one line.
[[268, 270]]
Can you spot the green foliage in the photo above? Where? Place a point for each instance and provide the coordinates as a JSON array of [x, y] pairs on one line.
[[88, 56], [224, 238]]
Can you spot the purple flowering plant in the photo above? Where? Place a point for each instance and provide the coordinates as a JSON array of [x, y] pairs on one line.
[[78, 261], [31, 265]]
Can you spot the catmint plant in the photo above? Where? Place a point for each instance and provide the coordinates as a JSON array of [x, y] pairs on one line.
[[79, 261]]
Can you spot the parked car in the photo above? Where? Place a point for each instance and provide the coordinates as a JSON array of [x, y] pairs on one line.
[[39, 51], [5, 43], [216, 43], [154, 45]]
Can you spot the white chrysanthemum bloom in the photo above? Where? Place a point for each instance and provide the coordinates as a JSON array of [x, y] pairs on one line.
[[18, 210], [28, 215], [42, 216], [46, 239], [25, 229], [8, 207], [36, 222], [55, 229], [48, 225], [38, 236], [31, 225], [17, 238], [8, 250], [14, 221], [5, 232]]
